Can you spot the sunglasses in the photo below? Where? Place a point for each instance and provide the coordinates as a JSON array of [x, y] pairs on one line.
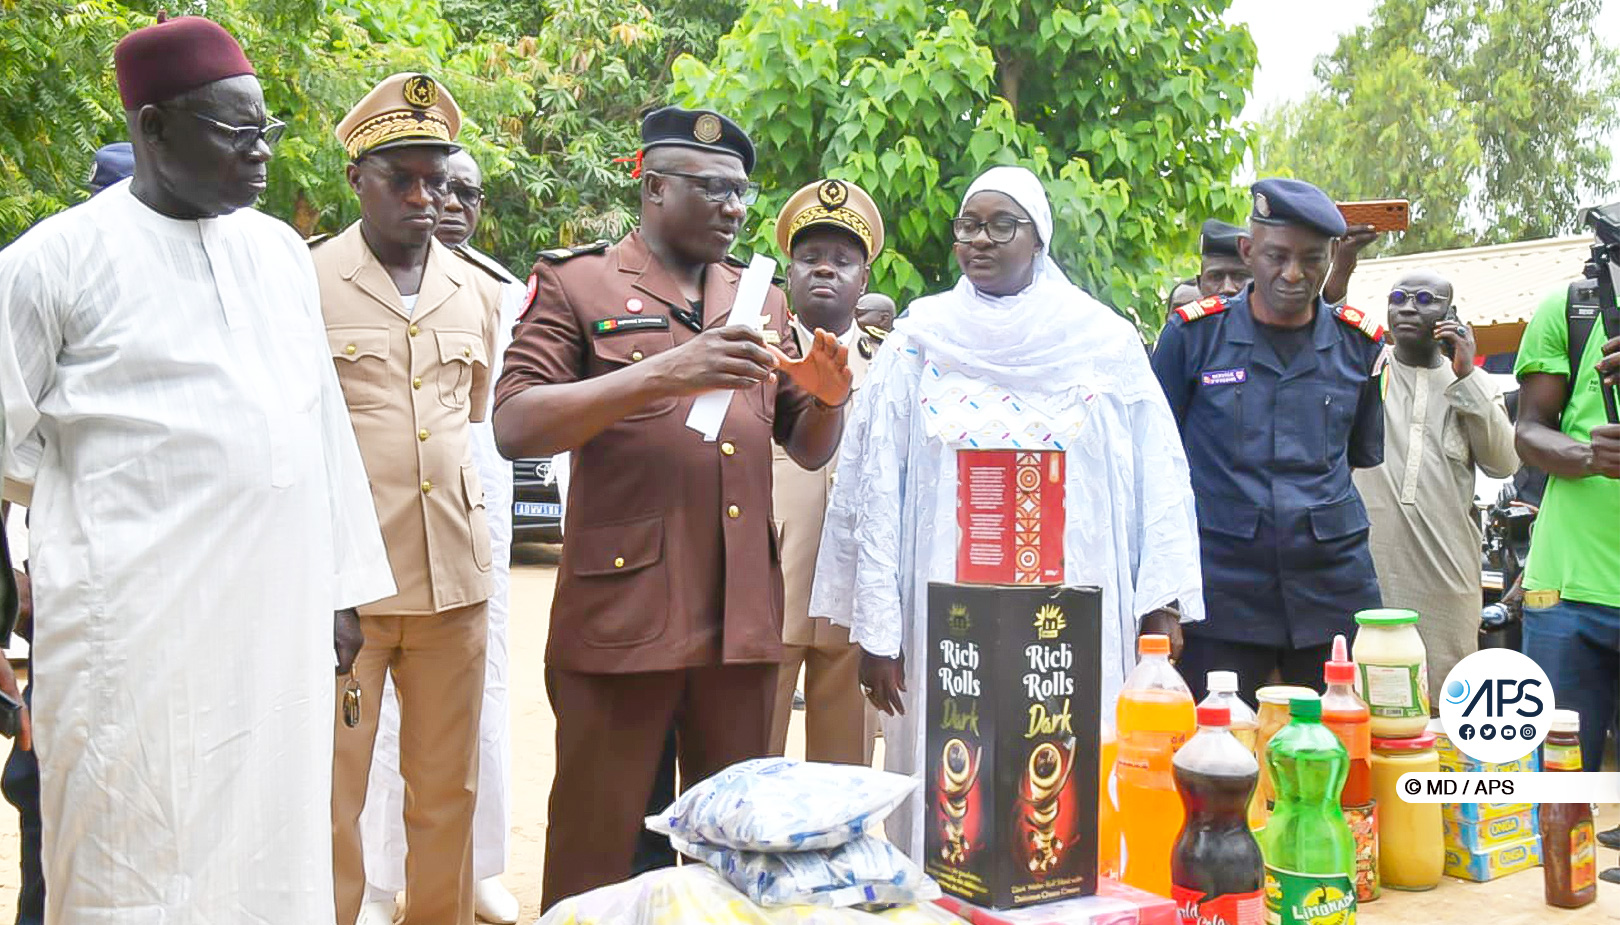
[[1001, 229], [717, 189], [245, 138], [1422, 298]]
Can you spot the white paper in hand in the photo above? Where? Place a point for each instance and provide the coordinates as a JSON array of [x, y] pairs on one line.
[[709, 409]]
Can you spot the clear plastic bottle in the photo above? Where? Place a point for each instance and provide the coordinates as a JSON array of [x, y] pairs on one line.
[[1346, 714], [1245, 725], [1216, 871], [1154, 718]]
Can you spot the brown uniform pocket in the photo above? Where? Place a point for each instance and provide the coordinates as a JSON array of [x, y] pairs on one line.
[[620, 576], [459, 351]]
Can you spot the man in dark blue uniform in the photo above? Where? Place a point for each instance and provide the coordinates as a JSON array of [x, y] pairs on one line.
[[1274, 394]]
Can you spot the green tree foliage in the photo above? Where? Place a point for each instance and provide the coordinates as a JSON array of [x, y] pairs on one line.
[[1123, 108], [551, 94], [1490, 115]]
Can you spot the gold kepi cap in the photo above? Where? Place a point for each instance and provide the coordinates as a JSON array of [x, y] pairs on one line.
[[837, 203], [405, 109]]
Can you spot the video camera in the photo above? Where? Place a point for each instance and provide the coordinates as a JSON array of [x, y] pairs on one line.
[[1604, 267]]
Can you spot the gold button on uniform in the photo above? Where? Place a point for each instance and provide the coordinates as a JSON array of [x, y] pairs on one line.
[[427, 486], [728, 448], [416, 383], [618, 562], [422, 434], [734, 512], [415, 330], [635, 356], [466, 351], [349, 350]]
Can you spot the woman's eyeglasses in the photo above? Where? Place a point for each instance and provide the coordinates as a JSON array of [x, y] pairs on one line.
[[1422, 298], [1001, 229], [245, 138]]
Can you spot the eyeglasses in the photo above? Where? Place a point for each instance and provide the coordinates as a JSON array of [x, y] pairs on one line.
[[469, 195], [245, 138], [401, 182], [1001, 229], [718, 189], [1423, 298]]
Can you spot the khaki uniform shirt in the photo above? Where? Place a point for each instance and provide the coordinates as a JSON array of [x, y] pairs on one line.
[[414, 381], [671, 560], [801, 505]]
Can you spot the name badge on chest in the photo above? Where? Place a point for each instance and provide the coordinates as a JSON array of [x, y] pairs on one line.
[[1225, 376], [625, 323]]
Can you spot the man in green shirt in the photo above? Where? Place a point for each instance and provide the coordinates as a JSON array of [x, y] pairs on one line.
[[1572, 581]]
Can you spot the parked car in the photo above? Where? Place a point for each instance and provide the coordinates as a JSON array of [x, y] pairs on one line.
[[536, 503]]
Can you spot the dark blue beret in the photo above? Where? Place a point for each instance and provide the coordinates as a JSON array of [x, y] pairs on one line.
[[1279, 201], [696, 128], [114, 162], [1220, 239]]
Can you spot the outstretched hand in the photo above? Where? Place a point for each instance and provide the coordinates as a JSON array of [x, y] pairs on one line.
[[823, 371]]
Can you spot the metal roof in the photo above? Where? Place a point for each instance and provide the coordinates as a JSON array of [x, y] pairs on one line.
[[1497, 285]]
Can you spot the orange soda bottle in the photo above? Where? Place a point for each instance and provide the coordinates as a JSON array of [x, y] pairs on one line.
[[1155, 717], [1107, 814]]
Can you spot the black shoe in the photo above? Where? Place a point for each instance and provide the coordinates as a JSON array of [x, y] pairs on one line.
[[1612, 875], [1610, 839]]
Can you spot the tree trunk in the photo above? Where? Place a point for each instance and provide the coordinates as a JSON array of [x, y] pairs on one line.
[[1009, 75]]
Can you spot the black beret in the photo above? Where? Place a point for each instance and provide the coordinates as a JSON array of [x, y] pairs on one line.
[[696, 128], [1279, 201], [1219, 239]]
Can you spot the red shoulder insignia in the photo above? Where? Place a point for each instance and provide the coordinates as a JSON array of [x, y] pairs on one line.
[[1361, 321], [1203, 308]]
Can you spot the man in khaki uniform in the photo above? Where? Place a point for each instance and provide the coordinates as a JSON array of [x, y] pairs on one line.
[[412, 327], [831, 232], [668, 611]]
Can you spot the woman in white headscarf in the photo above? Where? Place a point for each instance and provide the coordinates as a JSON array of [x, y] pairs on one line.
[[1044, 366]]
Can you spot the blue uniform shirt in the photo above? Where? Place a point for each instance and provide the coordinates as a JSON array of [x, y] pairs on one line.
[[1270, 445]]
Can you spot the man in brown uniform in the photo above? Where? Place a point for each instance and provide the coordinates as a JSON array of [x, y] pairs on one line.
[[830, 231], [412, 327], [668, 608]]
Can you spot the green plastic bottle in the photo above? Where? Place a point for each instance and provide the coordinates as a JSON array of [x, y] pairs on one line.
[[1309, 851]]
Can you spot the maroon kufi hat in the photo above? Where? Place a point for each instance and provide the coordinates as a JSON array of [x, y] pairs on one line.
[[162, 61]]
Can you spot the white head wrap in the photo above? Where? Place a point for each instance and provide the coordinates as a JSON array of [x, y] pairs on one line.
[[1051, 344]]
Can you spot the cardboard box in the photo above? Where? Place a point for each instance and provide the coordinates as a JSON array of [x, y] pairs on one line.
[[1491, 863], [1475, 813], [1114, 904], [1012, 742], [1492, 833], [1009, 517]]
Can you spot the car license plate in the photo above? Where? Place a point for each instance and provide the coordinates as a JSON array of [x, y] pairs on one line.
[[535, 509]]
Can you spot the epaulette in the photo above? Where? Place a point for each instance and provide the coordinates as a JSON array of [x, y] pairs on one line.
[[485, 262], [1203, 308], [1361, 321], [317, 239], [559, 254]]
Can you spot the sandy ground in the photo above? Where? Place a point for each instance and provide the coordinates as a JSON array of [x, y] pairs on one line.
[[1515, 900]]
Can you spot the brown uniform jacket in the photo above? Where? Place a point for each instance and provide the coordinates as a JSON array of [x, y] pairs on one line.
[[801, 507], [671, 561], [413, 382]]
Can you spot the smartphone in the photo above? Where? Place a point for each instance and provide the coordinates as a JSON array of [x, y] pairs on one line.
[[1446, 346], [1382, 214], [10, 715]]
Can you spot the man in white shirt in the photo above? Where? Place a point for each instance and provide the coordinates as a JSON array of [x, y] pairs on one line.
[[1442, 418], [199, 515]]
